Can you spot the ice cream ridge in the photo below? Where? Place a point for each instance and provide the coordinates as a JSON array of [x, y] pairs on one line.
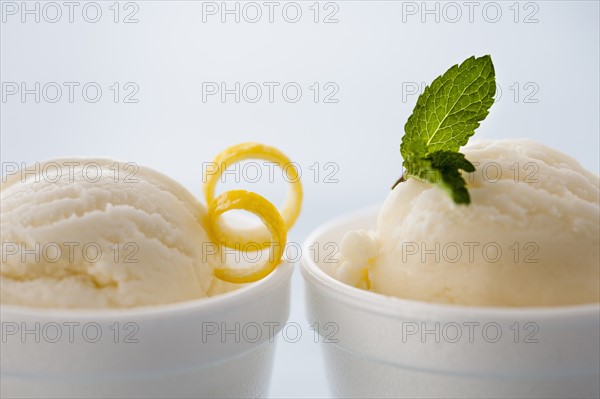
[[509, 223], [121, 235]]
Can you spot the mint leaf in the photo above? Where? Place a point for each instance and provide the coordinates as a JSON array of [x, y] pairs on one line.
[[443, 168], [449, 165], [446, 115]]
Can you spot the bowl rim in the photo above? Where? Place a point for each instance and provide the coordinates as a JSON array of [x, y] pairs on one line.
[[212, 305], [400, 308]]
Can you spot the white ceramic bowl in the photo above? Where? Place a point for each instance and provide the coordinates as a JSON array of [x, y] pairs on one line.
[[221, 346], [382, 346]]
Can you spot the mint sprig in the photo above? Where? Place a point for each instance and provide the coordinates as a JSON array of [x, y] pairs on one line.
[[446, 115]]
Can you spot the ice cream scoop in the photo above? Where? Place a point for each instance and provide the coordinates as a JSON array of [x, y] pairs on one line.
[[530, 236], [93, 233], [101, 233]]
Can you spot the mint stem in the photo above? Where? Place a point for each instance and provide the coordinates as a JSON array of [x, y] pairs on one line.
[[400, 180]]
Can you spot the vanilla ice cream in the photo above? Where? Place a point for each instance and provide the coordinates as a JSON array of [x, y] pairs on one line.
[[530, 236], [90, 233]]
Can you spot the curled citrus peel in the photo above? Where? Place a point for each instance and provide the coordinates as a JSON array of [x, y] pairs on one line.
[[268, 214], [277, 222], [290, 209]]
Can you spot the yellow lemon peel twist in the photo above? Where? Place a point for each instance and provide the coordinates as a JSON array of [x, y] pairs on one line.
[[277, 222]]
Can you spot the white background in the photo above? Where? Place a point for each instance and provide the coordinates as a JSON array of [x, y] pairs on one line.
[[547, 52]]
